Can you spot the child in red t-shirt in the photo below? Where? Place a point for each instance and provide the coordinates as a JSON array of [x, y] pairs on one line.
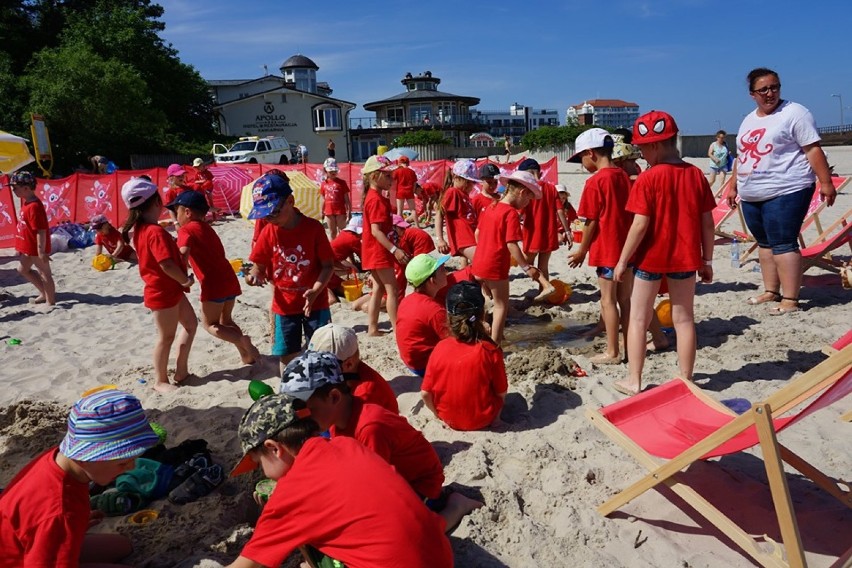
[[364, 381], [346, 249], [404, 180], [109, 238], [163, 270], [422, 321], [672, 235], [32, 240], [487, 195], [334, 195], [294, 249], [200, 244], [372, 519], [499, 239], [316, 379], [176, 178], [602, 205], [45, 510], [465, 381], [378, 241], [567, 209], [427, 193], [541, 236], [458, 212]]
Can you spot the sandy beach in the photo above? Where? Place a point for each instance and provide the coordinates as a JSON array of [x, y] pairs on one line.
[[540, 472]]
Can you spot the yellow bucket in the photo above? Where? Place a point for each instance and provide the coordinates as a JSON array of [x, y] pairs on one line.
[[352, 289], [236, 264]]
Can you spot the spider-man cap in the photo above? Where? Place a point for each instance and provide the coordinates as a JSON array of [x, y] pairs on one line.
[[654, 126]]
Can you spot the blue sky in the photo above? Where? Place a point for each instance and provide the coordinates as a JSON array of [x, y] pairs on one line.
[[687, 57]]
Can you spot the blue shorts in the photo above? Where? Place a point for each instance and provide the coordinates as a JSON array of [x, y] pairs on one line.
[[223, 300], [418, 373], [719, 169], [287, 337], [776, 223], [605, 272], [651, 276]]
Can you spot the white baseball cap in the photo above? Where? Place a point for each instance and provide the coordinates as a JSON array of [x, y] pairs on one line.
[[136, 191], [588, 140]]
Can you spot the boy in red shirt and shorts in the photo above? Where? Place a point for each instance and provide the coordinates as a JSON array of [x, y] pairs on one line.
[[316, 381], [371, 520], [602, 205], [296, 249], [672, 235], [32, 240], [404, 180]]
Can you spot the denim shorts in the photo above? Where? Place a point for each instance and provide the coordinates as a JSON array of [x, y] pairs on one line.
[[223, 300], [288, 330], [651, 276], [776, 223], [605, 272]]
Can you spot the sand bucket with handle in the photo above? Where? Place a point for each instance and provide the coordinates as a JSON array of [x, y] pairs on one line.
[[352, 287]]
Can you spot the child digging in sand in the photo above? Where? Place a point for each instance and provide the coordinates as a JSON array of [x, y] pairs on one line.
[[671, 235], [109, 238], [317, 380], [45, 510], [163, 270], [32, 240], [602, 205], [499, 239], [367, 516], [199, 243]]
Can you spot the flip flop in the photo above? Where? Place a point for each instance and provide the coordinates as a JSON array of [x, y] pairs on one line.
[[755, 300], [781, 310], [618, 388]]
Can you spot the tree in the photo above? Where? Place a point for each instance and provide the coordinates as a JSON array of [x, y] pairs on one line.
[[420, 138], [548, 137]]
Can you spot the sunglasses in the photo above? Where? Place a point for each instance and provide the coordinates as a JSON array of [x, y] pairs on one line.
[[765, 90]]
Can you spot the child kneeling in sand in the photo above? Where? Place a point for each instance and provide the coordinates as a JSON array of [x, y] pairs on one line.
[[672, 235], [316, 379], [45, 510], [109, 238], [367, 516], [199, 243], [465, 382]]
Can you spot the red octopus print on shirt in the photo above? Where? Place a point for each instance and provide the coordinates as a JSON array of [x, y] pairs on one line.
[[749, 147]]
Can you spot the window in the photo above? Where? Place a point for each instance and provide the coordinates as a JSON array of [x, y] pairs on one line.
[[327, 117], [263, 146], [420, 113], [396, 114]]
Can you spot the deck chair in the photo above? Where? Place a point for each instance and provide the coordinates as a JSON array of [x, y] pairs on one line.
[[669, 427], [818, 253], [723, 212], [815, 207]]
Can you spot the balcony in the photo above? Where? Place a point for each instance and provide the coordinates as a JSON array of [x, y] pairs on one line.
[[436, 122]]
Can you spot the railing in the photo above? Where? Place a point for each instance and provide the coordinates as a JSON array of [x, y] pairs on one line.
[[431, 122], [835, 129]]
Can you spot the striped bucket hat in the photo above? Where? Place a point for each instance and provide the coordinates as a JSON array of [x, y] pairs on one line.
[[107, 425]]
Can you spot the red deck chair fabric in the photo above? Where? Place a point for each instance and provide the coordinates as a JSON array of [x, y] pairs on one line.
[[667, 420]]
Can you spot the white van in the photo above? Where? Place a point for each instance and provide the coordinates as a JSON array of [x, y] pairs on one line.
[[255, 150]]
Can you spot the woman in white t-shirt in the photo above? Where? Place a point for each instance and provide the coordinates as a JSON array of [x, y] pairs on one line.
[[778, 160]]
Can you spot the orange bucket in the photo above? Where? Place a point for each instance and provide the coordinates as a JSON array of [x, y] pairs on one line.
[[352, 289], [236, 265]]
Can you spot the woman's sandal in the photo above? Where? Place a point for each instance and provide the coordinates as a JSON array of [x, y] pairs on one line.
[[781, 310], [755, 300]]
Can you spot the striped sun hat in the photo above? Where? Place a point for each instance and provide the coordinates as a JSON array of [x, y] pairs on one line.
[[107, 425]]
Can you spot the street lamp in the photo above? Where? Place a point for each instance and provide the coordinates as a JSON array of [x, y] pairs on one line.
[[840, 99]]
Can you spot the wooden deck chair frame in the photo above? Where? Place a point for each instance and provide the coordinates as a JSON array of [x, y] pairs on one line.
[[742, 235], [841, 226], [817, 206], [761, 414]]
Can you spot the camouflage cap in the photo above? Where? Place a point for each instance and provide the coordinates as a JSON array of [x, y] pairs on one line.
[[266, 417], [308, 372]]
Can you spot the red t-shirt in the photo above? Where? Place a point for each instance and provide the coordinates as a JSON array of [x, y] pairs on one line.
[[334, 192], [421, 322], [44, 515], [377, 209], [170, 193], [259, 224], [404, 178], [460, 217], [32, 218], [208, 260], [199, 180], [373, 388], [481, 202], [345, 244], [540, 222], [294, 256], [154, 245], [416, 241], [110, 242], [605, 200], [453, 278], [499, 225], [465, 381], [366, 518], [398, 443], [674, 196], [431, 188]]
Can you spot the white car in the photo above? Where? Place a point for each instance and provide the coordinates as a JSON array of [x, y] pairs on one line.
[[255, 150]]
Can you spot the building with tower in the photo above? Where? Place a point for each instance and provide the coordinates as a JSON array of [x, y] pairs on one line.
[[294, 105], [606, 113]]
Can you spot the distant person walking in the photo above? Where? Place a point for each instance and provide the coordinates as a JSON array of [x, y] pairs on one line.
[[718, 154], [507, 147], [330, 148], [303, 154]]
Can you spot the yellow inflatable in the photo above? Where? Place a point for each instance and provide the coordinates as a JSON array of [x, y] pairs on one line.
[[102, 263], [664, 313]]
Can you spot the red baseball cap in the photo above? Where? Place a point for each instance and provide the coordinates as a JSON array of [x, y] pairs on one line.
[[654, 126]]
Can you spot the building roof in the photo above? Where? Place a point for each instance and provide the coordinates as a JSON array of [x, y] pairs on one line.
[[417, 96], [283, 88], [605, 103], [299, 60]]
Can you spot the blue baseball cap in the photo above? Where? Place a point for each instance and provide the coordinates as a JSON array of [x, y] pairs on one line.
[[268, 191], [195, 200]]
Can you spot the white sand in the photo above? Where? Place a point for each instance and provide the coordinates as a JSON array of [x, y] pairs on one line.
[[541, 472]]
